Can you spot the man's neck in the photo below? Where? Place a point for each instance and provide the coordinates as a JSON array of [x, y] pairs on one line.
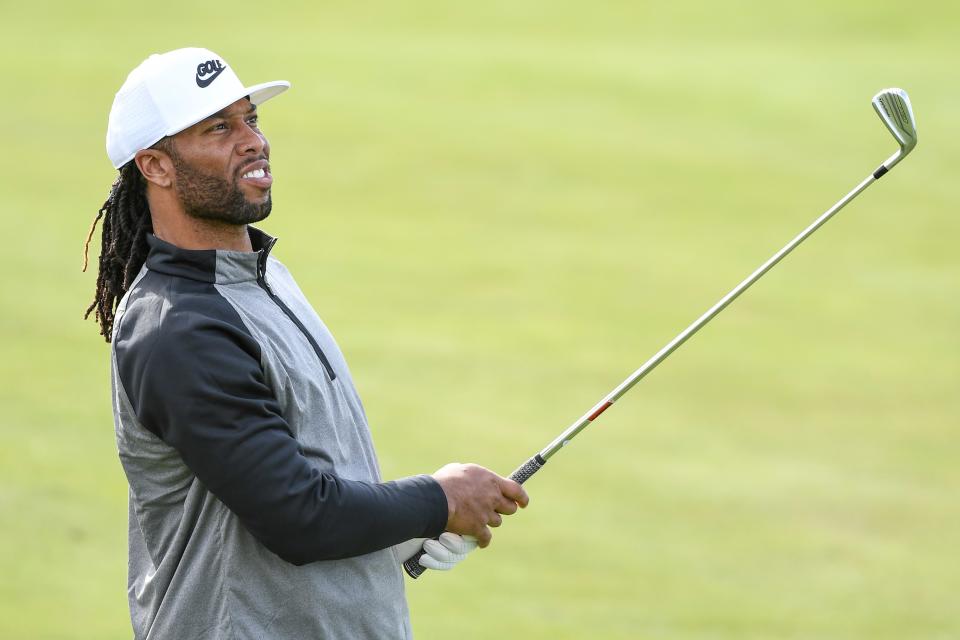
[[172, 224], [191, 233]]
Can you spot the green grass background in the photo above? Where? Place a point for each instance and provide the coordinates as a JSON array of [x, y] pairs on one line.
[[502, 209]]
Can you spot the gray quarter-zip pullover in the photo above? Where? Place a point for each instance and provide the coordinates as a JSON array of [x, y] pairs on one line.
[[256, 505]]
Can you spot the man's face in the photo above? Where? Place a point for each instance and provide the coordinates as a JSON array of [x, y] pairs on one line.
[[222, 168]]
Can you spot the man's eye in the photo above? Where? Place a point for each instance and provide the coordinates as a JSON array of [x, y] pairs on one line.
[[254, 122], [218, 126]]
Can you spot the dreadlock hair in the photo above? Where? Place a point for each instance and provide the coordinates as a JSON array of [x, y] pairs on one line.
[[126, 222]]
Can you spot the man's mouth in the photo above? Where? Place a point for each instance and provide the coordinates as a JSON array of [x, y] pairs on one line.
[[258, 174]]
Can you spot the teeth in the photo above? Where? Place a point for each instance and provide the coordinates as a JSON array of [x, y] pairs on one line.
[[256, 173]]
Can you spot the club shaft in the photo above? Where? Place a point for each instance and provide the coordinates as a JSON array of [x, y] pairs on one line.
[[698, 324]]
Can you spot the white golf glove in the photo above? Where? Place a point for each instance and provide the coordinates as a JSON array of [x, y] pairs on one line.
[[440, 555]]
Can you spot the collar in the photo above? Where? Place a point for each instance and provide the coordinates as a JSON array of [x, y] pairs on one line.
[[211, 265]]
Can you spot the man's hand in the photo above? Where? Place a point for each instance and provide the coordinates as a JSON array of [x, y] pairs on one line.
[[476, 498], [442, 554]]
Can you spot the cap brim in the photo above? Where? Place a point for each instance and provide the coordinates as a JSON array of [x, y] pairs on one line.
[[258, 94]]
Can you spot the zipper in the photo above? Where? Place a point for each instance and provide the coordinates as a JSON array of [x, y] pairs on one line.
[[262, 281]]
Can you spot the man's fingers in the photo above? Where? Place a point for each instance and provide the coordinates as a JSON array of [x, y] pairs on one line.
[[428, 561], [477, 498], [514, 491], [484, 536], [441, 553], [506, 507], [447, 551], [457, 543]]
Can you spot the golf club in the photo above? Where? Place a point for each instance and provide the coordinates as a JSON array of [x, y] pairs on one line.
[[893, 107]]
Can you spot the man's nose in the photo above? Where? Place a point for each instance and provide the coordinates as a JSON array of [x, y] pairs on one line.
[[253, 141]]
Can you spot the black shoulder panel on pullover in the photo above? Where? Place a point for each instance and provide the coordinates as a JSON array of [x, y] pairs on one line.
[[192, 373]]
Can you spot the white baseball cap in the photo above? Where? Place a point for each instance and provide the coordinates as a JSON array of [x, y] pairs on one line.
[[171, 91]]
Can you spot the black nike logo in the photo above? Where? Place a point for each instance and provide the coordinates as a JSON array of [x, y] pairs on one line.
[[208, 71]]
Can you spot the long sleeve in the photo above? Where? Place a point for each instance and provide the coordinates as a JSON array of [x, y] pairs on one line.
[[195, 380]]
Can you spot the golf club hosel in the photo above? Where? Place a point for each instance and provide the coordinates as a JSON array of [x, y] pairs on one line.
[[894, 159], [888, 164]]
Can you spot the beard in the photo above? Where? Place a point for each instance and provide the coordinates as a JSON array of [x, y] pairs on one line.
[[209, 197]]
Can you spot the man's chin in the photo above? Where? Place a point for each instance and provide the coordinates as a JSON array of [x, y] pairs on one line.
[[259, 217], [256, 208], [263, 201], [256, 213], [249, 214]]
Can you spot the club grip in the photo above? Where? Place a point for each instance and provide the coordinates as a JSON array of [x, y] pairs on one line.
[[412, 565], [527, 469]]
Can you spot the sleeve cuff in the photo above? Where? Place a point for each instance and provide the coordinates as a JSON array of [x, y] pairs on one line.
[[436, 505]]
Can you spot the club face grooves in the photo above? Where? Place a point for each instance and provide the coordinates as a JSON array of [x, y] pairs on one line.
[[893, 107]]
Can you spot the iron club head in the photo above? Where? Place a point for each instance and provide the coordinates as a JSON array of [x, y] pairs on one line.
[[893, 107]]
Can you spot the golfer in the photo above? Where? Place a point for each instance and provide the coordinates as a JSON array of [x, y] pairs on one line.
[[256, 507]]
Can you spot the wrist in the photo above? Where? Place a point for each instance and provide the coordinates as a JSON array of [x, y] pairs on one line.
[[443, 508]]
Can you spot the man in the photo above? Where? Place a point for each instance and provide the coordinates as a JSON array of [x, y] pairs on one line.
[[256, 508]]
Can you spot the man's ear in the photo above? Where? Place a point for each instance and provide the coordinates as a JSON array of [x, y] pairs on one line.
[[156, 166]]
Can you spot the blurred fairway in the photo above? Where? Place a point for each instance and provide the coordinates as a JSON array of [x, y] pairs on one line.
[[501, 210]]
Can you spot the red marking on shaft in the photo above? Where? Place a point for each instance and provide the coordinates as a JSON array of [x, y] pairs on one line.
[[594, 415]]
